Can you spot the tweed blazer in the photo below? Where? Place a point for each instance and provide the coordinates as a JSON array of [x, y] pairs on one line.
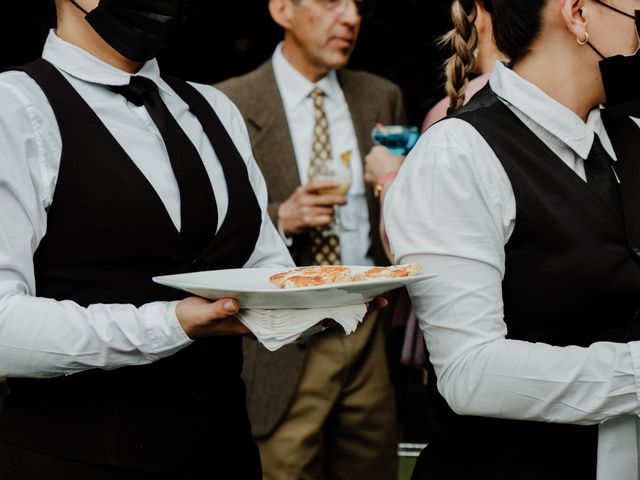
[[272, 378]]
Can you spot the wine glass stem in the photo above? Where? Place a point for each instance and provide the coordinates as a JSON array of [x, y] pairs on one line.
[[335, 227], [337, 224]]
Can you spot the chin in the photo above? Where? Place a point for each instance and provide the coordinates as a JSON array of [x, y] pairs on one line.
[[339, 61]]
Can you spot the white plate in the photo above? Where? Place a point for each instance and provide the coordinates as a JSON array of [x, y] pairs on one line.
[[251, 287]]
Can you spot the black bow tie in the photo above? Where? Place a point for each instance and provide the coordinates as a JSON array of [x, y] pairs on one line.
[[137, 89]]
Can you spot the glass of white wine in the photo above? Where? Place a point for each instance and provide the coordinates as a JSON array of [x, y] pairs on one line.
[[339, 171]]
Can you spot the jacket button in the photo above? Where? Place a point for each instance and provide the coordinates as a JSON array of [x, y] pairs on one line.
[[636, 251], [198, 265]]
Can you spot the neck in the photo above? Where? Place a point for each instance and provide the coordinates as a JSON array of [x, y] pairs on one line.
[[567, 73], [487, 57], [297, 58], [74, 29]]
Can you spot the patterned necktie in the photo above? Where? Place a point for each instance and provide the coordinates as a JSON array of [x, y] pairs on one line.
[[198, 209], [601, 177], [325, 245]]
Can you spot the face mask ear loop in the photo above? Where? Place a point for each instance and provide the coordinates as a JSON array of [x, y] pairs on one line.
[[610, 7], [79, 7], [595, 49]]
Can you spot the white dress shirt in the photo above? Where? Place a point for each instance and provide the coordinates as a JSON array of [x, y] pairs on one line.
[[41, 337], [452, 209], [295, 89]]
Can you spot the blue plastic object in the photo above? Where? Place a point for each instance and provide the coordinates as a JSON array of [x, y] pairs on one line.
[[398, 139]]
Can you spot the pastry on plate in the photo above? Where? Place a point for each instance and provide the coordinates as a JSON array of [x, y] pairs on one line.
[[311, 276], [394, 271]]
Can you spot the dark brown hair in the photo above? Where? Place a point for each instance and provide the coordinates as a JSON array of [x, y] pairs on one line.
[[516, 24]]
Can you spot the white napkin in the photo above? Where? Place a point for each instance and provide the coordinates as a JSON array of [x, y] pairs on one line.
[[618, 449], [276, 328]]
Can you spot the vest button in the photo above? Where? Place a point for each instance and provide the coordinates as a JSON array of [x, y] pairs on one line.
[[636, 251], [198, 265]]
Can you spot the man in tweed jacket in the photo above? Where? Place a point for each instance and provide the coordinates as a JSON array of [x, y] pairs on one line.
[[325, 408]]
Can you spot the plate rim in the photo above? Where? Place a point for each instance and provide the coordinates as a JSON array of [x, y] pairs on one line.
[[377, 281]]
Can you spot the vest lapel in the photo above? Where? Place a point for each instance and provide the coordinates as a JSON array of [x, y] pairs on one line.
[[544, 155], [624, 137]]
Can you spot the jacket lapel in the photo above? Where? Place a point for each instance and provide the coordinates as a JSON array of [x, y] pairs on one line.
[[361, 114], [364, 119], [271, 138]]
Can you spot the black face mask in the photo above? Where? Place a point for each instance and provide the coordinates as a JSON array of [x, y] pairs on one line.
[[620, 72], [137, 29]]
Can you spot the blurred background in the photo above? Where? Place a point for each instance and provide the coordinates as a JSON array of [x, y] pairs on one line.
[[228, 38]]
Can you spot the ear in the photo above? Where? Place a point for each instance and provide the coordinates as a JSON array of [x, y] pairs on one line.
[[571, 11], [281, 11], [483, 20]]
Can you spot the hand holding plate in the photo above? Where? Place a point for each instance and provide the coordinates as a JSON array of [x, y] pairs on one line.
[[201, 318]]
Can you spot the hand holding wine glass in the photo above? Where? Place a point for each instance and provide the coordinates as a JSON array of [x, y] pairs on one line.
[[308, 208], [339, 171]]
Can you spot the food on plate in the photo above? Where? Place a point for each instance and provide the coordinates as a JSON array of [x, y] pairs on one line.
[[394, 271], [327, 275], [311, 276]]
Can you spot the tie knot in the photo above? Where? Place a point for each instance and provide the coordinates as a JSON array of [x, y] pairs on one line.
[[137, 89], [317, 94], [596, 146], [598, 154]]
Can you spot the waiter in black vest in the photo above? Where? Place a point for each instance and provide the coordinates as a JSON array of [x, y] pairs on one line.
[[525, 205], [110, 174]]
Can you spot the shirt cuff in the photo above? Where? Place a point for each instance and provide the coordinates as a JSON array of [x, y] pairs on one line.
[[163, 329], [288, 241]]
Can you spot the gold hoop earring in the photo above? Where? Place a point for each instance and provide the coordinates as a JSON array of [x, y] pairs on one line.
[[585, 41]]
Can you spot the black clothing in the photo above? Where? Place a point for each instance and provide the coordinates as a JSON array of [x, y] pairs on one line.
[[601, 176], [108, 234]]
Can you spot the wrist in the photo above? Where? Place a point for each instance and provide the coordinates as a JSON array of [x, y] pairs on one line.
[[279, 223], [383, 181], [285, 236]]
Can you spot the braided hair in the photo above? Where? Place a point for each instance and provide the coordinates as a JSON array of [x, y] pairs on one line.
[[462, 40]]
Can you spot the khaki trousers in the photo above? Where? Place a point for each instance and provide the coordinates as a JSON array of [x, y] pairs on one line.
[[342, 422]]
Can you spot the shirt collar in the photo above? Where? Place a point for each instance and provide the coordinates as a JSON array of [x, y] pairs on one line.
[[82, 65], [549, 114], [295, 87]]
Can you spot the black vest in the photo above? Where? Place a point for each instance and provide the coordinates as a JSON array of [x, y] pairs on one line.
[[108, 234], [572, 278]]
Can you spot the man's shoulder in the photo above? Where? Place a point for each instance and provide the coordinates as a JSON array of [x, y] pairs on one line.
[[367, 82], [247, 87]]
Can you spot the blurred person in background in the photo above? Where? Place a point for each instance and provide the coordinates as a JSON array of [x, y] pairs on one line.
[[323, 409]]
